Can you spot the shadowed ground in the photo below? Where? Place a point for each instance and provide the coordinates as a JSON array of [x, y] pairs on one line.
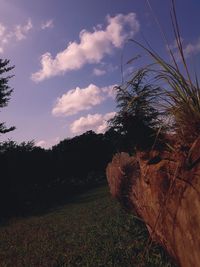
[[92, 230]]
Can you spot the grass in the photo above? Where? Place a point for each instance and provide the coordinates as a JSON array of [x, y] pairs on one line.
[[92, 230], [182, 93]]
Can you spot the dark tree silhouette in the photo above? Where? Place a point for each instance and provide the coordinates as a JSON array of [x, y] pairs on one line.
[[5, 90], [137, 118], [33, 179]]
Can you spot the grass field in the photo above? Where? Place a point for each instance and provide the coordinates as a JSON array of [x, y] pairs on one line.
[[92, 230]]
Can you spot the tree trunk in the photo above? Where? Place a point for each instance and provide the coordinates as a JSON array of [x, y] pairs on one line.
[[164, 189]]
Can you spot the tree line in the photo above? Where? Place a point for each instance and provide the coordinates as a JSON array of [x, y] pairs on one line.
[[33, 178]]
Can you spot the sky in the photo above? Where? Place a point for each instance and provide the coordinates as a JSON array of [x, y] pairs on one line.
[[69, 54]]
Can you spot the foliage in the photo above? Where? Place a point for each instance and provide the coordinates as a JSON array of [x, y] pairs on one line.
[[91, 230], [5, 90], [137, 119], [183, 98], [11, 146], [35, 179]]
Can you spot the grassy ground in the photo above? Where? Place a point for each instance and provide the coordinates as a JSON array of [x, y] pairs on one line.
[[92, 231]]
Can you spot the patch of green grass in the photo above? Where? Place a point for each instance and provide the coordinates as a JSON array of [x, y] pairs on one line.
[[92, 230]]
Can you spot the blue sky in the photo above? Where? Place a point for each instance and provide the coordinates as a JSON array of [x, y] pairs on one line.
[[68, 55]]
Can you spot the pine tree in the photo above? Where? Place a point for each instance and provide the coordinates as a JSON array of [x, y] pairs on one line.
[[5, 90], [137, 118]]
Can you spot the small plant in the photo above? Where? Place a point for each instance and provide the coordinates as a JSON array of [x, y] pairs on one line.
[[183, 97]]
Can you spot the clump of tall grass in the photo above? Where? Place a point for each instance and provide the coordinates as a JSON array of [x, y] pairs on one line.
[[183, 95]]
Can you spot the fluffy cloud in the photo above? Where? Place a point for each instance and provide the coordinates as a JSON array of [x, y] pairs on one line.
[[47, 24], [93, 46], [17, 34], [95, 122], [79, 99]]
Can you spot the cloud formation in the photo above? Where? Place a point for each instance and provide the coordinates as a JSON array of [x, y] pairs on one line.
[[188, 50], [18, 33], [79, 99], [110, 90], [21, 31], [41, 143], [96, 122], [47, 24], [192, 49], [2, 37], [48, 143], [92, 47], [104, 68]]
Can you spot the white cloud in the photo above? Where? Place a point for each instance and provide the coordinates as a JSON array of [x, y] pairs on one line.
[[3, 37], [104, 68], [48, 143], [110, 90], [188, 50], [80, 99], [98, 72], [93, 46], [22, 30], [17, 34], [47, 24], [174, 45], [41, 143], [192, 49], [95, 122]]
